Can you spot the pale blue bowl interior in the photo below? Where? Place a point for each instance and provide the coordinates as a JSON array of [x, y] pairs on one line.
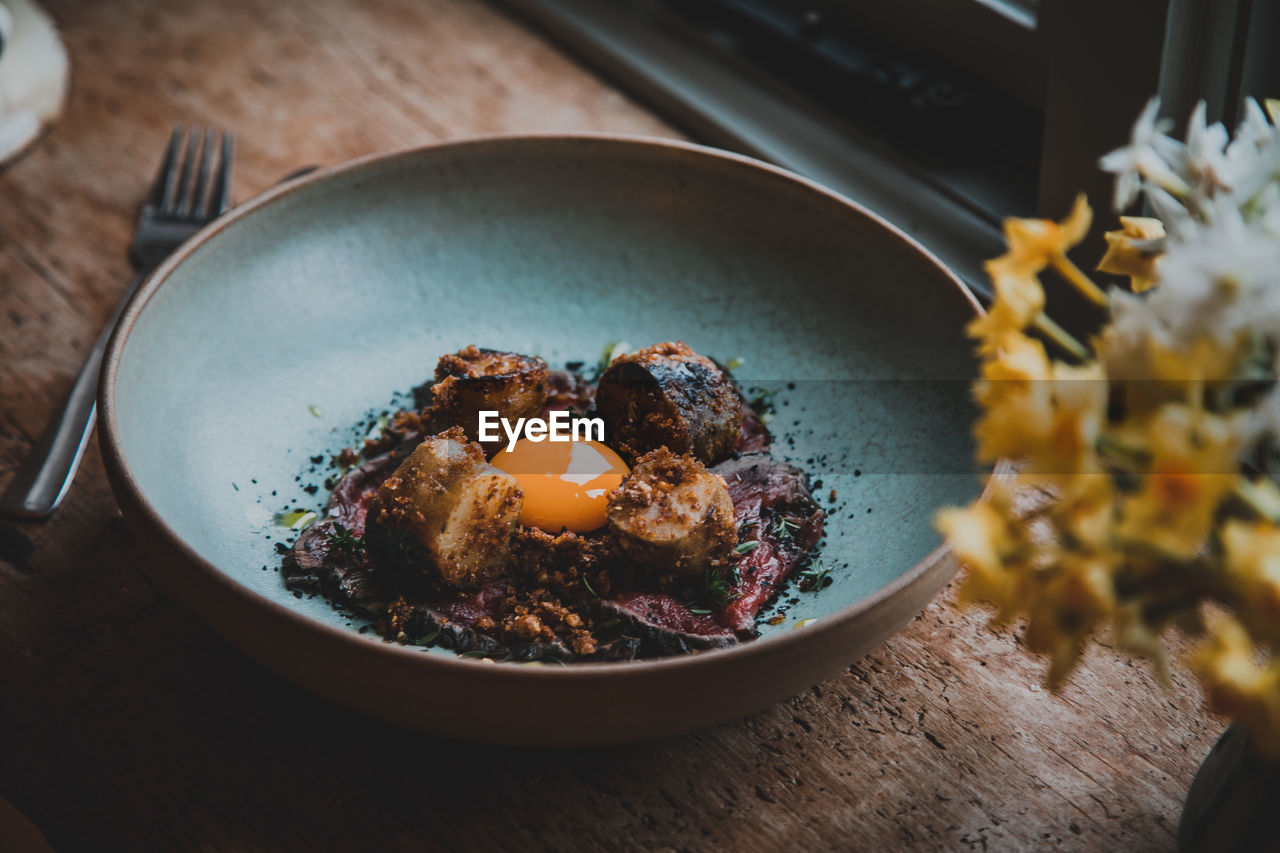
[[339, 294]]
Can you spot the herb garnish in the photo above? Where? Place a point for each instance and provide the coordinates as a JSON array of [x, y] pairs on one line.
[[713, 592], [747, 547], [816, 577], [345, 541], [786, 527], [428, 639]]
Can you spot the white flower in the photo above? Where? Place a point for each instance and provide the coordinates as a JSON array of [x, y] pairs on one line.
[[1242, 165], [1148, 155], [1176, 218], [1217, 281], [1254, 130], [1184, 181], [1216, 286], [1266, 209], [1256, 166], [1206, 151]]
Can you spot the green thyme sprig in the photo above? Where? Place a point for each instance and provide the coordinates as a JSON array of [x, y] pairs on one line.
[[816, 577], [714, 591], [342, 539]]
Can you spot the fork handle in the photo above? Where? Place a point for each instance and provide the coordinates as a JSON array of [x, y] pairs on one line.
[[45, 477]]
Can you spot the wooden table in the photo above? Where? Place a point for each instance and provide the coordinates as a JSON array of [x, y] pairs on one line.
[[123, 722]]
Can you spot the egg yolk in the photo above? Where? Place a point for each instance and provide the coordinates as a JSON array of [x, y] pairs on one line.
[[564, 482]]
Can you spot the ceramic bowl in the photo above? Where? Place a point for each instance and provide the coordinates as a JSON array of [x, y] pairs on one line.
[[266, 339]]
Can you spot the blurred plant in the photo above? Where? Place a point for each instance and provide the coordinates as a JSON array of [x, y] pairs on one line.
[[1158, 442]]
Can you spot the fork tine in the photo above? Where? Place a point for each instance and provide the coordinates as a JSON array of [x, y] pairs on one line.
[[200, 196], [164, 178], [222, 181], [181, 197]]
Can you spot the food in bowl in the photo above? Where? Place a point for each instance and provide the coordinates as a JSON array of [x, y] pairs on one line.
[[517, 512]]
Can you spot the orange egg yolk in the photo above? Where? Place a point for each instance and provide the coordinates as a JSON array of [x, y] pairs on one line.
[[564, 482]]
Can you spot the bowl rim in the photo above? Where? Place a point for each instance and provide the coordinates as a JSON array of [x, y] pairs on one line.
[[122, 476]]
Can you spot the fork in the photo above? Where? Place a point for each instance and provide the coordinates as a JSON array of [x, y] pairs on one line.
[[192, 189]]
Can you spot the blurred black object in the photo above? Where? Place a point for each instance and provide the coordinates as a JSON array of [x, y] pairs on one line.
[[975, 140]]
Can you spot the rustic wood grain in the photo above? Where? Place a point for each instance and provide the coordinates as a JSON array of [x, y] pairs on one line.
[[125, 723]]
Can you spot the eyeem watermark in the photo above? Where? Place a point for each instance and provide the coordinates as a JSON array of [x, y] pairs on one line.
[[561, 426]]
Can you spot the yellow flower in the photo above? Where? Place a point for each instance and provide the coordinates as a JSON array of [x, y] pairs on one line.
[[1072, 597], [1051, 423], [1252, 560], [1033, 245], [991, 541], [1123, 257], [1237, 684], [1150, 372], [1011, 370], [1193, 460], [1084, 512], [1019, 299], [1200, 361], [1036, 243]]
